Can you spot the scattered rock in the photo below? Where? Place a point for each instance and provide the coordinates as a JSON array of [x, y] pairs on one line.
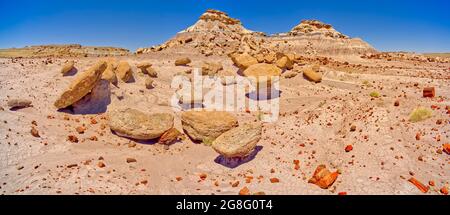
[[182, 61], [284, 63], [109, 73], [80, 129], [348, 148], [96, 101], [135, 124], [239, 141], [124, 72], [67, 67], [323, 178], [131, 160], [207, 125], [72, 138], [419, 185], [290, 74], [429, 92], [18, 103], [446, 148], [444, 190], [397, 103], [148, 83], [101, 164], [274, 180], [243, 61], [312, 74], [210, 68], [144, 66], [81, 86], [170, 136], [263, 73], [35, 132], [244, 191]]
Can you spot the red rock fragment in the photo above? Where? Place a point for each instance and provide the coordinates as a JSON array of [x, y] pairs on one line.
[[244, 191], [274, 180], [444, 190], [429, 92], [35, 132], [446, 148], [323, 178], [419, 185], [348, 148], [72, 138]]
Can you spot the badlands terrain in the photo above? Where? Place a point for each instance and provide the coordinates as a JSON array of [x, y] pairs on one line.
[[89, 120]]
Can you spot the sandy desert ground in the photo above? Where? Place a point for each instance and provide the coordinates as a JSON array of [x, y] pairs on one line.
[[317, 123]]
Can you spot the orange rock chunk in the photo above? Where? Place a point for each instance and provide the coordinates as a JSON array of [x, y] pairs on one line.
[[419, 185], [323, 178]]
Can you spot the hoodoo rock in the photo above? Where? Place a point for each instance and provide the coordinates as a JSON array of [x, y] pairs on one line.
[[207, 125], [239, 141], [132, 123], [81, 86]]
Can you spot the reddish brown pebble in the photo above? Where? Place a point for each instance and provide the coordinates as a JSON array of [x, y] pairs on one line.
[[348, 148]]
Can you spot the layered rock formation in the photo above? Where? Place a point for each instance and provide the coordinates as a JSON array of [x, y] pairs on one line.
[[71, 50], [215, 33], [314, 37]]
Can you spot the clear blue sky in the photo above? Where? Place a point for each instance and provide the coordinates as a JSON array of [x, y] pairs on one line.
[[421, 26]]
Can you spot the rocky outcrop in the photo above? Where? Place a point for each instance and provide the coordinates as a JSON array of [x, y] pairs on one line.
[[132, 123], [70, 50]]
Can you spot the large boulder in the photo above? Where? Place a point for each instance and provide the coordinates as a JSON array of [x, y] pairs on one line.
[[96, 101], [263, 73], [312, 74], [239, 141], [67, 67], [207, 125], [132, 123], [211, 68], [124, 71], [109, 73], [81, 86], [182, 61], [243, 61], [284, 63]]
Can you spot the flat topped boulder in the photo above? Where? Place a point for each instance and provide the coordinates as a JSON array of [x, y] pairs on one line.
[[238, 142], [182, 61], [207, 125], [243, 61], [144, 65], [83, 84], [132, 123]]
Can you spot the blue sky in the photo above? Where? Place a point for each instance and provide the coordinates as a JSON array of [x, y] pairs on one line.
[[420, 26]]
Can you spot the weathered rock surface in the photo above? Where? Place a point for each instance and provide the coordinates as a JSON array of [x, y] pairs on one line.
[[207, 125], [312, 74], [19, 103], [182, 61], [81, 86], [124, 72], [243, 61], [96, 101], [132, 123], [67, 67], [211, 68], [239, 141]]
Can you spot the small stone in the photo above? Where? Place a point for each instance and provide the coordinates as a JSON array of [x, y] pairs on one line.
[[244, 191], [18, 103], [182, 61], [348, 148], [131, 160], [35, 132], [101, 164], [353, 128], [72, 138], [274, 180], [81, 129]]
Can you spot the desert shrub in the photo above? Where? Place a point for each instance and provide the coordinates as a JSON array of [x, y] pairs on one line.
[[207, 142], [374, 94], [420, 114]]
